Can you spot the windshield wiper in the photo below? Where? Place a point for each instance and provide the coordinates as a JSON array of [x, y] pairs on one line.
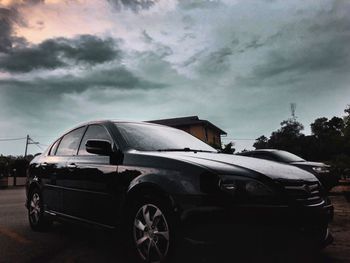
[[186, 149]]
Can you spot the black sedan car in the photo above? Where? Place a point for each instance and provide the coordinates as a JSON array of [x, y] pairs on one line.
[[162, 184], [320, 170]]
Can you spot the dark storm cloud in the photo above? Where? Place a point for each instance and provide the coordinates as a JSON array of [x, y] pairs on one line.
[[320, 56], [134, 5], [10, 16], [40, 97], [203, 4], [118, 78], [322, 45], [60, 52], [216, 62], [161, 50], [138, 5], [7, 18], [255, 43]]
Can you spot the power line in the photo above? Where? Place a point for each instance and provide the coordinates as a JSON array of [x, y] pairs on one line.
[[44, 136], [12, 139], [239, 139], [37, 145], [30, 141]]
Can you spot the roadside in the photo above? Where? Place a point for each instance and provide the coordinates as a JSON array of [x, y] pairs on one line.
[[339, 251], [10, 181], [343, 188]]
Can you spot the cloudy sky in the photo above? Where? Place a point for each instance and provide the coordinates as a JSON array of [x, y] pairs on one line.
[[237, 63]]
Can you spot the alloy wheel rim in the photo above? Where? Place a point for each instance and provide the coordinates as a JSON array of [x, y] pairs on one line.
[[151, 233], [34, 208]]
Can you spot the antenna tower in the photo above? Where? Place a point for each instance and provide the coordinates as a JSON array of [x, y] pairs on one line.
[[293, 107]]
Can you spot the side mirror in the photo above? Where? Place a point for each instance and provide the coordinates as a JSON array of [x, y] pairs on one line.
[[100, 147]]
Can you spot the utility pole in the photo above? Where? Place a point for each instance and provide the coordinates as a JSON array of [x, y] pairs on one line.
[[25, 155], [27, 142]]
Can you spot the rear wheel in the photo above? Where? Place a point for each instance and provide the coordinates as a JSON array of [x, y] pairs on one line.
[[37, 220]]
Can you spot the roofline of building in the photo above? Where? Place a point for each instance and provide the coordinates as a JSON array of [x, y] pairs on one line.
[[188, 118]]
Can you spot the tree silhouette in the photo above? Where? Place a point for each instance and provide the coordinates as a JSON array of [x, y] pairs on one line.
[[288, 137], [329, 141], [261, 142], [228, 148]]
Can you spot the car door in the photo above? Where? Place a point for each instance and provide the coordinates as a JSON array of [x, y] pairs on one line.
[[93, 178], [67, 147], [51, 167]]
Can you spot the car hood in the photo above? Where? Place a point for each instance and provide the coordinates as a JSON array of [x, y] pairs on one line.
[[233, 164]]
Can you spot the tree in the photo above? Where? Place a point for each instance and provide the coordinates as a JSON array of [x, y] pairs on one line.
[[288, 137], [329, 141], [346, 131], [329, 137], [291, 128], [228, 148], [261, 142], [324, 128], [346, 119]]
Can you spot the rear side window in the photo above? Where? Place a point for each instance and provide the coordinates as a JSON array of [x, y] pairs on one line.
[[54, 148], [70, 142], [94, 132]]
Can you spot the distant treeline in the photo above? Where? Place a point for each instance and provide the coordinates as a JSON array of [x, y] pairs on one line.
[[329, 141], [14, 165]]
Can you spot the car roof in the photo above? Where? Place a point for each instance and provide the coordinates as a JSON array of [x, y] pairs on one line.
[[102, 121]]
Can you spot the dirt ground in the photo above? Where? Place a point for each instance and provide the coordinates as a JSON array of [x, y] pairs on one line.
[[339, 251]]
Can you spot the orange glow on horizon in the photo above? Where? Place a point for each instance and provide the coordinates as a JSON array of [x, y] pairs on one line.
[[60, 18]]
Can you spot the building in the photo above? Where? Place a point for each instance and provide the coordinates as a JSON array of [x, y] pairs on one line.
[[202, 129]]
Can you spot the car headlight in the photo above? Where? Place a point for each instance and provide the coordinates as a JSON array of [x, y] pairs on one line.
[[246, 186], [320, 169]]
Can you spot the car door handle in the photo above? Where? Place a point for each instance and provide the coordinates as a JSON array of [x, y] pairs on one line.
[[72, 166]]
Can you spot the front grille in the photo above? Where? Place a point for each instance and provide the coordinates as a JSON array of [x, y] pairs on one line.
[[303, 192]]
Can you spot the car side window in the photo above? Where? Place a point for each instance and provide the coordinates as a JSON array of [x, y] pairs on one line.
[[70, 142], [54, 147], [94, 132]]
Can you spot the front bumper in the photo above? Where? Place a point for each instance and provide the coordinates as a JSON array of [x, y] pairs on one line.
[[328, 180], [211, 223]]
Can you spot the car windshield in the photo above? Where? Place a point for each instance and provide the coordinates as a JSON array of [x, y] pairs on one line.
[[288, 157], [149, 137]]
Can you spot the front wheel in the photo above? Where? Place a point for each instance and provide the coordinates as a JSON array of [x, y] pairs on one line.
[[151, 229], [36, 217]]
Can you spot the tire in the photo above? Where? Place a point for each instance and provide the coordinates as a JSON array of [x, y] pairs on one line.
[[318, 236], [37, 220], [151, 229]]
